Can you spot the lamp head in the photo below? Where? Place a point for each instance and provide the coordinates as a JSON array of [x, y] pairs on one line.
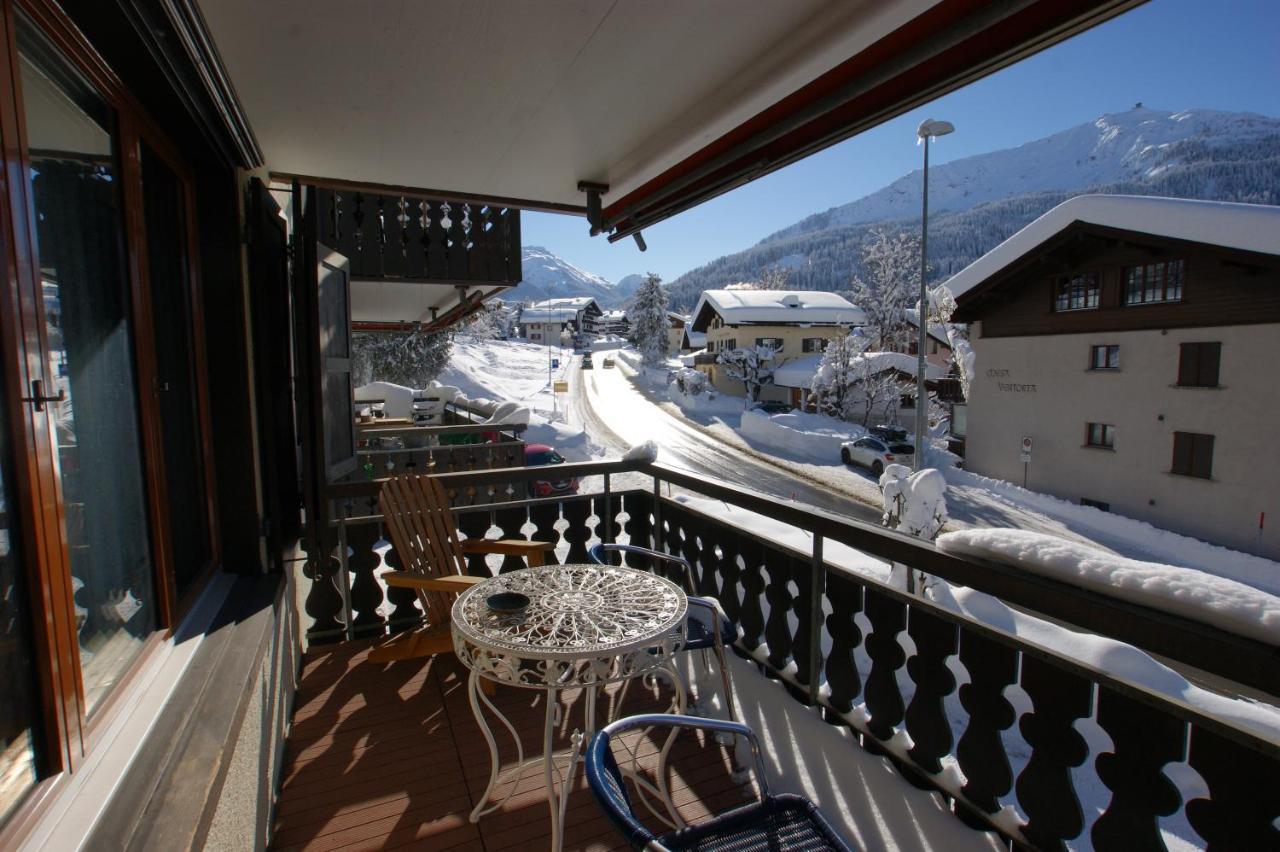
[[929, 127]]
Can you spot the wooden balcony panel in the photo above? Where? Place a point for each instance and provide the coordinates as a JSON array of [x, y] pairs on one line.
[[389, 756]]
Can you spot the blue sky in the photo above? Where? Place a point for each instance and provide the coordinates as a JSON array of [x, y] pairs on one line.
[[1168, 54]]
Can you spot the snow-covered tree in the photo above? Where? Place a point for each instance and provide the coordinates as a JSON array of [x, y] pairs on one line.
[[873, 392], [484, 324], [835, 374], [753, 366], [891, 267], [410, 358], [915, 504], [649, 323]]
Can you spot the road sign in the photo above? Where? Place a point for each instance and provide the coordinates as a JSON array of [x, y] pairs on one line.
[[1025, 457], [560, 387], [555, 363], [1026, 446]]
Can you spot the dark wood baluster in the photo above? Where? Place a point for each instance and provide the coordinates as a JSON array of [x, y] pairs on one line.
[[802, 604], [366, 592], [544, 517], [752, 578], [1044, 788], [674, 543], [456, 243], [992, 667], [324, 597], [1244, 794], [369, 259], [511, 521], [638, 507], [326, 204], [731, 592], [405, 601], [437, 253], [475, 525], [478, 237], [845, 595], [347, 228], [935, 639], [414, 239], [888, 617], [577, 534], [1144, 740], [393, 235], [511, 243], [777, 628]]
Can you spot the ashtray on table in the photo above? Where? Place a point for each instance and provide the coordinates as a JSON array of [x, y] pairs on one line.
[[507, 602]]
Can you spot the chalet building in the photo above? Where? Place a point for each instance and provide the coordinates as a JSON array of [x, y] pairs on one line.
[[1132, 341], [613, 322], [675, 331], [938, 350], [550, 319], [203, 199], [795, 323]]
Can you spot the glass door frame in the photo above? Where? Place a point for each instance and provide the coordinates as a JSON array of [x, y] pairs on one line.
[[67, 732]]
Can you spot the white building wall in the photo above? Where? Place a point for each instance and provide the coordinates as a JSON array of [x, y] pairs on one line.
[[1040, 387]]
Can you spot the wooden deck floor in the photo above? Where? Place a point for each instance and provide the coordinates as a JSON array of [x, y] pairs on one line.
[[389, 756]]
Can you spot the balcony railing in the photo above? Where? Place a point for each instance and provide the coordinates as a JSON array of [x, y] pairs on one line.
[[1018, 737], [414, 238]]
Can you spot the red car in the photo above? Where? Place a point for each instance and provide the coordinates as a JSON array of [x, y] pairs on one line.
[[539, 454]]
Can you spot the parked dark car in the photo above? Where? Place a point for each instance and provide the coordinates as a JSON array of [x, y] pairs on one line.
[[586, 362], [890, 434], [774, 407], [608, 363], [540, 454]]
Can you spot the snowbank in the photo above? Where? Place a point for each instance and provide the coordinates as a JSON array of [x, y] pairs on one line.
[[709, 402], [1223, 603], [800, 434]]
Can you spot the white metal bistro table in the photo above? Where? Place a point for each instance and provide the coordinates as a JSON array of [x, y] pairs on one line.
[[585, 626]]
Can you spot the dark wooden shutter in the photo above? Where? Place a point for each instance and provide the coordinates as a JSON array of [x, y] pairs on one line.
[[273, 370], [1182, 442], [1202, 456], [1210, 355], [1188, 363], [333, 285]]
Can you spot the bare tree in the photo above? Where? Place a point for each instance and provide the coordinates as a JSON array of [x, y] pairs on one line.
[[836, 372]]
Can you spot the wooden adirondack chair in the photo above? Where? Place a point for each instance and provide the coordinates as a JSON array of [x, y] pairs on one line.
[[422, 530]]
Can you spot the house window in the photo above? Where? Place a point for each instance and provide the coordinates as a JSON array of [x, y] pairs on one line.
[[1076, 293], [1153, 283], [1104, 357], [1097, 504], [1101, 435], [1193, 455], [1198, 365], [812, 344], [774, 343]]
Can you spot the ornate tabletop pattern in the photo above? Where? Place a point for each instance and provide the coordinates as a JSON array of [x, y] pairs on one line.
[[584, 624]]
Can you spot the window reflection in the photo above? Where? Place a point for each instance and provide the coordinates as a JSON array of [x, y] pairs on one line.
[[75, 187]]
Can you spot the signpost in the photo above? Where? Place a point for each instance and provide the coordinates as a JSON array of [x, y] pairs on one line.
[[1026, 458], [560, 387]]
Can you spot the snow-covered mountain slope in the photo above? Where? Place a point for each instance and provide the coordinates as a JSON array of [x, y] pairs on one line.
[[977, 202], [628, 284], [547, 275], [1130, 146]]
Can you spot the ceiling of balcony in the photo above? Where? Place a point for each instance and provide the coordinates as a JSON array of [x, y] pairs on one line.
[[521, 99]]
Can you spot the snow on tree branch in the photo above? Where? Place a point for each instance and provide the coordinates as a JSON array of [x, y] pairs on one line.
[[649, 323], [752, 365], [409, 358]]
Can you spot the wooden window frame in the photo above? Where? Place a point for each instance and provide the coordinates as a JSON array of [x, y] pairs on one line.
[[1197, 451], [1107, 436], [1166, 266], [68, 731], [1106, 349], [1196, 366], [811, 345], [1065, 283]]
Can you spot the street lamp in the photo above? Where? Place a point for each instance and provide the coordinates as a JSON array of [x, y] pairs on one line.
[[928, 129]]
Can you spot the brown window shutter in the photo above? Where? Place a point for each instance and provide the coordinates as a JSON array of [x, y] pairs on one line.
[[1202, 456], [1182, 453], [1188, 361], [1210, 356]]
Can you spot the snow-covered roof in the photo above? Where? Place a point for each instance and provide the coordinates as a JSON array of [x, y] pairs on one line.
[[1247, 227], [799, 372], [577, 303], [936, 330], [548, 315], [693, 339], [779, 307]]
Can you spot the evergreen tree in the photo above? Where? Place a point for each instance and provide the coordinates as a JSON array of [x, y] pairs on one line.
[[649, 323], [411, 358]]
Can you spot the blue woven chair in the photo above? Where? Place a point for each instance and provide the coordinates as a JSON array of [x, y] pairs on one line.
[[707, 628], [781, 823]]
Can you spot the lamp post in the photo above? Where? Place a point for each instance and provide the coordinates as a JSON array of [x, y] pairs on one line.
[[928, 129]]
